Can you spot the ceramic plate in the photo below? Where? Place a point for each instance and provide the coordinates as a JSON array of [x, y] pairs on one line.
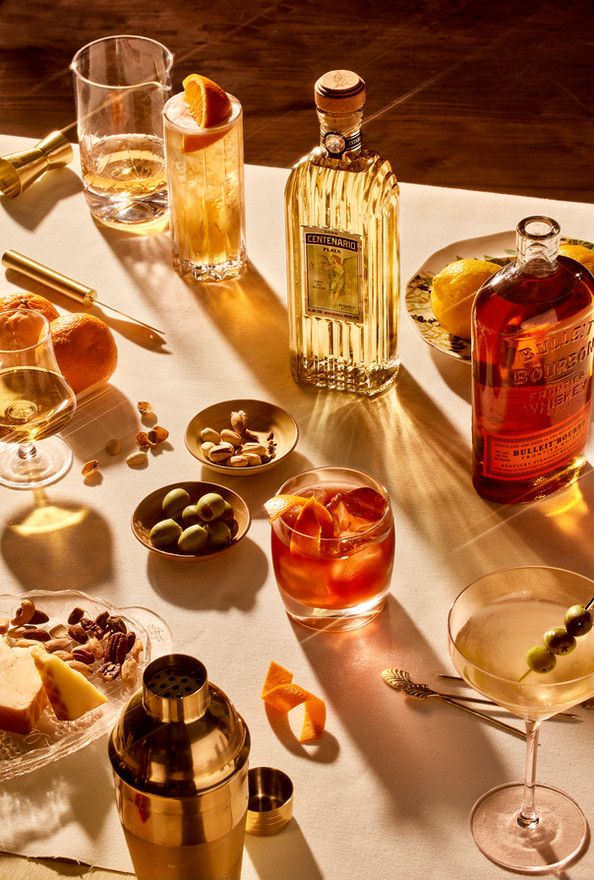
[[499, 248], [149, 512], [263, 419], [51, 739]]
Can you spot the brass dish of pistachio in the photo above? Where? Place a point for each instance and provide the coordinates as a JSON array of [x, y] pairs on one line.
[[241, 437]]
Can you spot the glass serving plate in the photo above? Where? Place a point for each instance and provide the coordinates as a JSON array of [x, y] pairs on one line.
[[50, 740], [499, 248]]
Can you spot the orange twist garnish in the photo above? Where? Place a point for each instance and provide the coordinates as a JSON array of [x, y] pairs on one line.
[[281, 694]]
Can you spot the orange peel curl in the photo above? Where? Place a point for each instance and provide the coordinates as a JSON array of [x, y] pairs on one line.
[[280, 693]]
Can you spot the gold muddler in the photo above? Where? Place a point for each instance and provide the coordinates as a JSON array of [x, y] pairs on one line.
[[62, 283]]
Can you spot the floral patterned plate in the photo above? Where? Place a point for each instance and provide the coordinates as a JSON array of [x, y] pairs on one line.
[[51, 739], [498, 248]]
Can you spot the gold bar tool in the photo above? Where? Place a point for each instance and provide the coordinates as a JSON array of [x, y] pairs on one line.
[[19, 170], [179, 755], [62, 283]]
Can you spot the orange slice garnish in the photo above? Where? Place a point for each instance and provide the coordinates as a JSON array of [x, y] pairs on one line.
[[279, 504], [313, 523], [281, 694], [209, 105]]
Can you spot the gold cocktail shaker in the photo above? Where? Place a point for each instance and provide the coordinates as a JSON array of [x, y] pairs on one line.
[[179, 755]]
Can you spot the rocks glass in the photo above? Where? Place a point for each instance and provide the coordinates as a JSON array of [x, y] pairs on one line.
[[333, 556]]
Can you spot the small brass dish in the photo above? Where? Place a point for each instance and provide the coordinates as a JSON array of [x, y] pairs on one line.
[[149, 512], [270, 801], [263, 419]]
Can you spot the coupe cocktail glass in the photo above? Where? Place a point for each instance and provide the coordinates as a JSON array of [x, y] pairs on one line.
[[35, 403], [492, 625], [206, 193], [335, 577]]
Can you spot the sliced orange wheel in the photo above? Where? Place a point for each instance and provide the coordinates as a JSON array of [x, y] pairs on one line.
[[280, 693]]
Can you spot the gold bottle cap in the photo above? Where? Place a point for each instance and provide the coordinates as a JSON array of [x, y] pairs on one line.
[[340, 91]]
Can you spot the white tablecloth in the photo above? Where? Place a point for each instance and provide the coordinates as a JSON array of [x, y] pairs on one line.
[[387, 791]]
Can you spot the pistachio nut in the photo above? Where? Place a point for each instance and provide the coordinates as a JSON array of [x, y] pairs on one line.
[[238, 461], [113, 446], [229, 436], [209, 434], [252, 458], [256, 448], [221, 452], [137, 459]]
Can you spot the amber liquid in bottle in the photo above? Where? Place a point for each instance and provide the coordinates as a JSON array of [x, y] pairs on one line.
[[532, 354]]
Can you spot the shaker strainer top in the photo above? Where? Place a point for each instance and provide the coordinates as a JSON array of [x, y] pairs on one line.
[[180, 732], [175, 688]]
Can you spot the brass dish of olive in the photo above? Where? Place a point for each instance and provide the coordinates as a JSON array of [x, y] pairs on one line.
[[191, 521]]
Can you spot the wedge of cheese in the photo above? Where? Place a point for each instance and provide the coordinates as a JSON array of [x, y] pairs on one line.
[[70, 694], [22, 695]]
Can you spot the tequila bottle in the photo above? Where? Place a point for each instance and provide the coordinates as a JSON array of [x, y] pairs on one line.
[[532, 353], [341, 205]]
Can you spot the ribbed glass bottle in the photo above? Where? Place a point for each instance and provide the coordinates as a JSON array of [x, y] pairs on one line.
[[341, 207]]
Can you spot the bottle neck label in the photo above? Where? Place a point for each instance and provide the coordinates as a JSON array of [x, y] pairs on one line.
[[337, 144], [332, 260]]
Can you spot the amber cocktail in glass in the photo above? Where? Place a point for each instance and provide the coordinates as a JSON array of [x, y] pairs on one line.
[[332, 547], [206, 193]]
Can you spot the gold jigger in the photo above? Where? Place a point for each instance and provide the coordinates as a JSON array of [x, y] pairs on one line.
[[19, 170]]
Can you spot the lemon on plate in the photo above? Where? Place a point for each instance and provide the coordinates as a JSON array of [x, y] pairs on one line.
[[580, 254], [453, 291]]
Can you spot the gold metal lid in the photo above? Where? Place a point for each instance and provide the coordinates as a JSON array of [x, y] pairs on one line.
[[340, 91], [270, 803], [180, 732]]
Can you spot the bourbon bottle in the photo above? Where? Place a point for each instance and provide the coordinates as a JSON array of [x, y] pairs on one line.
[[532, 354]]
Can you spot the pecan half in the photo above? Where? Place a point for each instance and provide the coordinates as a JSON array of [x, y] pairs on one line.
[[76, 615], [117, 647], [77, 632], [116, 624], [109, 671], [83, 656]]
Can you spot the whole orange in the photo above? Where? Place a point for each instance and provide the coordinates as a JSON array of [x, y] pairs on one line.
[[85, 349], [23, 299]]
